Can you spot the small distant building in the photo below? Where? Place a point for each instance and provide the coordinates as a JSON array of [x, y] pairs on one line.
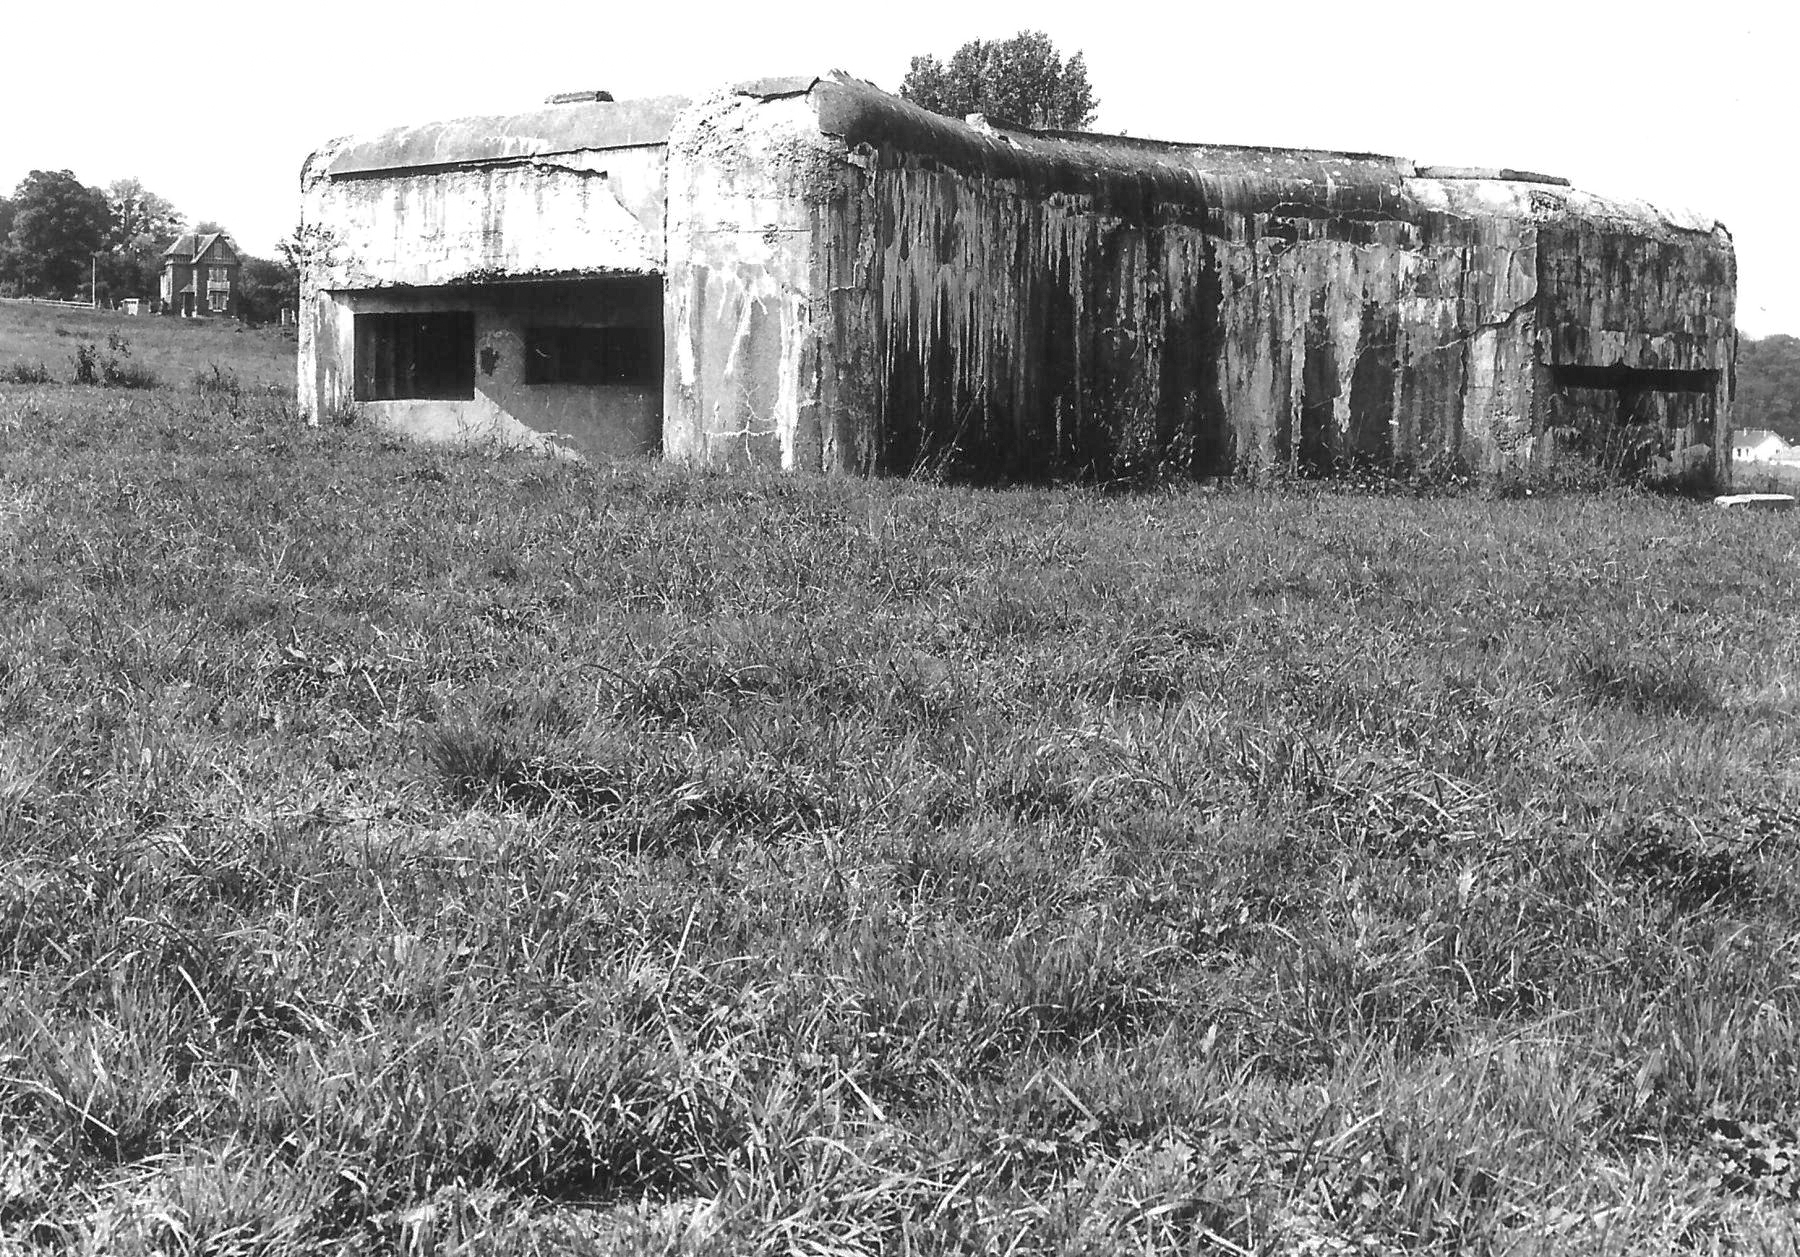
[[200, 275], [133, 305], [1761, 445], [811, 274]]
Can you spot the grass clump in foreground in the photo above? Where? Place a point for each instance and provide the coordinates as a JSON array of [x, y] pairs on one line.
[[404, 849]]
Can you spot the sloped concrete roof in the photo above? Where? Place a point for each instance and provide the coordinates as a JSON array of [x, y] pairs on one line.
[[1298, 182], [568, 128], [1127, 171]]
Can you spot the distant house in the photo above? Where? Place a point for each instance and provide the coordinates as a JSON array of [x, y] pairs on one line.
[[200, 275], [1760, 445]]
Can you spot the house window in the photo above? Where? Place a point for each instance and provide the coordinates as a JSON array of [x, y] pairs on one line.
[[217, 299], [216, 277], [427, 356], [593, 355]]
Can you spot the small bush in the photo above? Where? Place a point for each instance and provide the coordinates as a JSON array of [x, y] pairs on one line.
[[118, 371], [115, 369], [215, 381], [25, 373], [127, 375]]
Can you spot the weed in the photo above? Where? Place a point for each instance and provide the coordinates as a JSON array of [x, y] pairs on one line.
[[218, 381], [87, 362], [114, 369]]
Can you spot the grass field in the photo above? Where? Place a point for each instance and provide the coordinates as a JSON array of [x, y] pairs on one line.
[[172, 353], [414, 850], [1757, 477]]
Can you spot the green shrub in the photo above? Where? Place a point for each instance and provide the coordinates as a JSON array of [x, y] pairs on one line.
[[25, 373]]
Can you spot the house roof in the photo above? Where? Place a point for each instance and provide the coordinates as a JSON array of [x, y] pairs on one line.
[[190, 245], [1755, 436], [569, 128]]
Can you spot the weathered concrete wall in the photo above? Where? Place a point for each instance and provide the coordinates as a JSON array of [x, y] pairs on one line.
[[609, 420], [450, 217], [751, 183], [1020, 304], [1637, 339], [570, 214]]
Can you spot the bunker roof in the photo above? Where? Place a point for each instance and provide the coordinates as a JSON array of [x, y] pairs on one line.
[[1127, 170], [1125, 173], [585, 125]]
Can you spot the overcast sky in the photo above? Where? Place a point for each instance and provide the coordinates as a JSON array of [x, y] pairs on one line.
[[1691, 106]]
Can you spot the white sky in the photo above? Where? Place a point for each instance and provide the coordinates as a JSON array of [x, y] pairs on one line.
[[1691, 105]]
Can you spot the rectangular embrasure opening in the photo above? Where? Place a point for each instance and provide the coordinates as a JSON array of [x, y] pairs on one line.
[[1632, 379], [593, 355], [425, 355]]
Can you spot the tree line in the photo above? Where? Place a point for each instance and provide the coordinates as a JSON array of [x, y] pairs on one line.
[[61, 238], [1768, 386]]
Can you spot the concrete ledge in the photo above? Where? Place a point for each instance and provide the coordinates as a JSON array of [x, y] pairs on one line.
[[1757, 501]]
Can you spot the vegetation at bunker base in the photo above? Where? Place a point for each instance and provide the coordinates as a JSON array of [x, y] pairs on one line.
[[424, 850]]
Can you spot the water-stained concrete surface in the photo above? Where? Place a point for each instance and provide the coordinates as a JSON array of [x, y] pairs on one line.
[[853, 284]]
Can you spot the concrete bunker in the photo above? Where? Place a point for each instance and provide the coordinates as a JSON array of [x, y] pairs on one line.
[[812, 274], [493, 278]]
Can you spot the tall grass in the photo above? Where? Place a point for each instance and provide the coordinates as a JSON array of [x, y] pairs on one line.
[[417, 849]]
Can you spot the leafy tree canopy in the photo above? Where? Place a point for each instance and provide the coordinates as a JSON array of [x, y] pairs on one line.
[[140, 215], [1022, 79], [1768, 386], [57, 226], [143, 224], [265, 285]]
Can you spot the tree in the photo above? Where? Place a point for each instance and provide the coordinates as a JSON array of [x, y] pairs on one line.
[[9, 282], [1768, 386], [264, 287], [143, 224], [58, 225], [1022, 79], [311, 246], [138, 213]]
